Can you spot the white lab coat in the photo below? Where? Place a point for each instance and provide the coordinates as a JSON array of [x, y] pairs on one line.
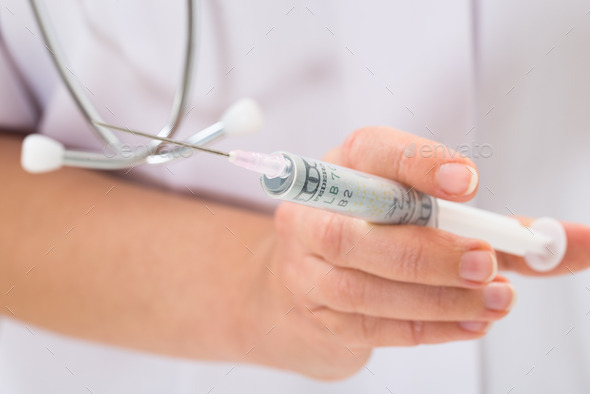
[[320, 70]]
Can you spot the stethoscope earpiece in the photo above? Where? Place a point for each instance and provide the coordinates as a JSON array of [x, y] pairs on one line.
[[41, 154], [242, 117]]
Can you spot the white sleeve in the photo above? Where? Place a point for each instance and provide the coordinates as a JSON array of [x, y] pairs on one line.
[[18, 111]]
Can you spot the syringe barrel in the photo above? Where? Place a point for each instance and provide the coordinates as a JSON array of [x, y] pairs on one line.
[[330, 187]]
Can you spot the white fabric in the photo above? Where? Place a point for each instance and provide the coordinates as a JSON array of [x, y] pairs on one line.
[[320, 70], [539, 132], [17, 111]]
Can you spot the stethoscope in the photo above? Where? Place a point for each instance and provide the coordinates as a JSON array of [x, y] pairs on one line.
[[284, 175], [41, 153]]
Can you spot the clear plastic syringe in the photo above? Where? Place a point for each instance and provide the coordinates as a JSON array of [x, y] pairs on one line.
[[318, 184]]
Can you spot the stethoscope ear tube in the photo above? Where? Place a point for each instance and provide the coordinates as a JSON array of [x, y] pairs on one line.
[[41, 153], [88, 109]]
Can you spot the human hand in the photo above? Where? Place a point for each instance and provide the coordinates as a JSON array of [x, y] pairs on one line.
[[344, 286], [576, 258]]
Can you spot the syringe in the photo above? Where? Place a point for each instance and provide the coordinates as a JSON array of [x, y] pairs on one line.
[[322, 185], [318, 184]]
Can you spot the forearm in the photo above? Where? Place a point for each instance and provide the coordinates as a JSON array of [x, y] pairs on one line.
[[96, 257]]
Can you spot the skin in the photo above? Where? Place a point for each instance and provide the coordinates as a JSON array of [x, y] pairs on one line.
[[305, 290]]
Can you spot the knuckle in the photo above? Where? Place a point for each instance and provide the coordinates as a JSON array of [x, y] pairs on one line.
[[370, 141], [405, 165], [412, 261], [328, 231], [368, 326], [449, 239], [416, 332], [442, 301], [346, 291], [358, 330], [300, 271], [354, 147]]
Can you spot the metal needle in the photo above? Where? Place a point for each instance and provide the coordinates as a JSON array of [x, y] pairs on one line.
[[163, 139]]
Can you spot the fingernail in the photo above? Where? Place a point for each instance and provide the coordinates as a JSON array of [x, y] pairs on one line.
[[456, 179], [475, 326], [499, 296], [478, 266]]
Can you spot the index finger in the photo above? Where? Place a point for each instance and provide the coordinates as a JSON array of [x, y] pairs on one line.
[[426, 165]]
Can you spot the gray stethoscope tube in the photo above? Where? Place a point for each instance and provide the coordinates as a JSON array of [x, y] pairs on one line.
[[306, 181], [153, 154]]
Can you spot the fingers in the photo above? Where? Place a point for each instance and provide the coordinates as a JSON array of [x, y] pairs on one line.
[[426, 165], [577, 256], [353, 291], [358, 330], [403, 253]]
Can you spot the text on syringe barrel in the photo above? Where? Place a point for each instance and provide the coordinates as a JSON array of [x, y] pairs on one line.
[[330, 187]]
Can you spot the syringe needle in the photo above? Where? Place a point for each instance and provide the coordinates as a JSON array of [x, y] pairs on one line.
[[163, 139]]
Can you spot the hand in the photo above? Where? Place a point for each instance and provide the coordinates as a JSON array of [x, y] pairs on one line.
[[341, 286], [577, 256]]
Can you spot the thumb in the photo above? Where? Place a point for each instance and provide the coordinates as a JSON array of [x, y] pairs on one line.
[[426, 165]]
